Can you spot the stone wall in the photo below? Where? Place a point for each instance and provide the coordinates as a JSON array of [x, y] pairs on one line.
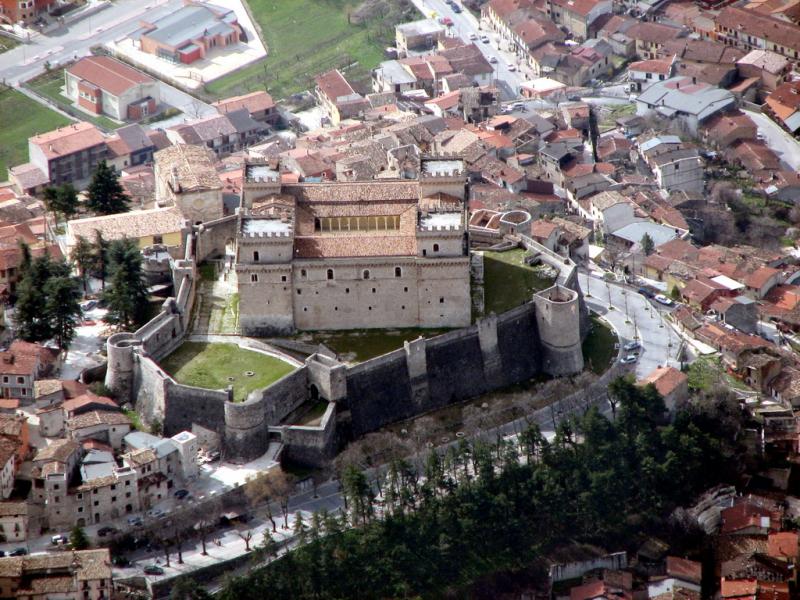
[[313, 446]]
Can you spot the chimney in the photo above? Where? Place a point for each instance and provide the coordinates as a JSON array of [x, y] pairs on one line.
[[174, 182]]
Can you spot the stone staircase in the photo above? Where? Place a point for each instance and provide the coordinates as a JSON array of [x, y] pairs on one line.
[[217, 310]]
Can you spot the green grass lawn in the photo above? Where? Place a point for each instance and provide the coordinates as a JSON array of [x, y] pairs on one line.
[[362, 344], [7, 44], [305, 38], [20, 118], [49, 85], [210, 366], [508, 282], [598, 347]]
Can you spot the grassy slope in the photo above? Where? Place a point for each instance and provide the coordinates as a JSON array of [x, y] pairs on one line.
[[598, 347], [305, 38], [210, 365], [508, 282], [20, 118]]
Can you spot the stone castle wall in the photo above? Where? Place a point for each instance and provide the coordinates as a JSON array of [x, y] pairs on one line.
[[498, 351]]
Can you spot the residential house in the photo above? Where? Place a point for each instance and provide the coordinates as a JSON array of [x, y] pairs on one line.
[[164, 226], [21, 365], [724, 130], [681, 575], [650, 38], [13, 12], [74, 575], [9, 464], [783, 104], [644, 72], [337, 97], [673, 386], [679, 170], [14, 520], [189, 33], [783, 545], [259, 105], [577, 16], [418, 37], [761, 281], [682, 98], [11, 254], [69, 154], [740, 312], [104, 85], [749, 517], [392, 76], [130, 146], [103, 425], [610, 211], [770, 68], [750, 30], [51, 420], [28, 179], [223, 133]]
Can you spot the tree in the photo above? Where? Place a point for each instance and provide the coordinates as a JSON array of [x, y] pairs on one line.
[[33, 312], [127, 297], [78, 538], [105, 194], [647, 244], [61, 200], [63, 308], [83, 259], [186, 588], [100, 265], [246, 536]]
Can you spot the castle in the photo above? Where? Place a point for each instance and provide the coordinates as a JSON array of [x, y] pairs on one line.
[[368, 254], [381, 253]]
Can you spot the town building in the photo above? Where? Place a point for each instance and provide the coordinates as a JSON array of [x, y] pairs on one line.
[[750, 30], [418, 37], [682, 98], [259, 105], [104, 85], [157, 226], [783, 104], [73, 575], [21, 365], [338, 98], [186, 178], [14, 520], [189, 33], [388, 253], [224, 133], [673, 386], [577, 16], [68, 154]]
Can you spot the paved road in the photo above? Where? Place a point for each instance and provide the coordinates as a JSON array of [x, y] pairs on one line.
[[777, 139], [464, 24], [75, 39], [635, 318]]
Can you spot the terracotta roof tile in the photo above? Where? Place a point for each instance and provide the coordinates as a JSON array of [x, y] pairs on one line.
[[108, 74]]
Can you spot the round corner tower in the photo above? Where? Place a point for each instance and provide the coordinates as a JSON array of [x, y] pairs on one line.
[[558, 321], [119, 373]]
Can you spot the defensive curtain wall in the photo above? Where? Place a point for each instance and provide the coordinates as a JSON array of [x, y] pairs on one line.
[[541, 336]]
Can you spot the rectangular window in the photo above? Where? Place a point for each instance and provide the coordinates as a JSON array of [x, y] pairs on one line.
[[253, 278]]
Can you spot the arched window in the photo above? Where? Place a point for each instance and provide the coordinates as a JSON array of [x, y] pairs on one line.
[[255, 256], [436, 247], [365, 274], [303, 273], [398, 272], [330, 273]]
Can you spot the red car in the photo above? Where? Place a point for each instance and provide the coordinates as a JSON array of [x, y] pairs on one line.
[[446, 21]]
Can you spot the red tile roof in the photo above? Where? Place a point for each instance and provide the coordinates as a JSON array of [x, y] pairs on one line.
[[109, 74], [68, 140], [760, 26], [760, 277], [334, 85], [783, 545], [22, 358], [667, 380], [253, 102], [745, 515], [738, 589], [578, 7]]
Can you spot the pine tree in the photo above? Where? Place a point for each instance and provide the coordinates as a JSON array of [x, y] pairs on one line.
[[100, 265], [61, 200], [63, 308], [30, 311], [647, 244], [78, 539], [105, 194], [83, 257], [127, 297]]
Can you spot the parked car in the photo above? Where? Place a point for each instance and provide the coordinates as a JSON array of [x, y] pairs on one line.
[[473, 36], [135, 521], [120, 561], [662, 299], [447, 21], [181, 494], [89, 305], [511, 67], [155, 513], [18, 552], [630, 346], [493, 60], [104, 531], [456, 8], [153, 570], [645, 292], [485, 39], [59, 539], [630, 358]]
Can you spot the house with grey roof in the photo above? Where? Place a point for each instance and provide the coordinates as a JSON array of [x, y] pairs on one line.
[[189, 33], [224, 134], [392, 76], [684, 98]]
